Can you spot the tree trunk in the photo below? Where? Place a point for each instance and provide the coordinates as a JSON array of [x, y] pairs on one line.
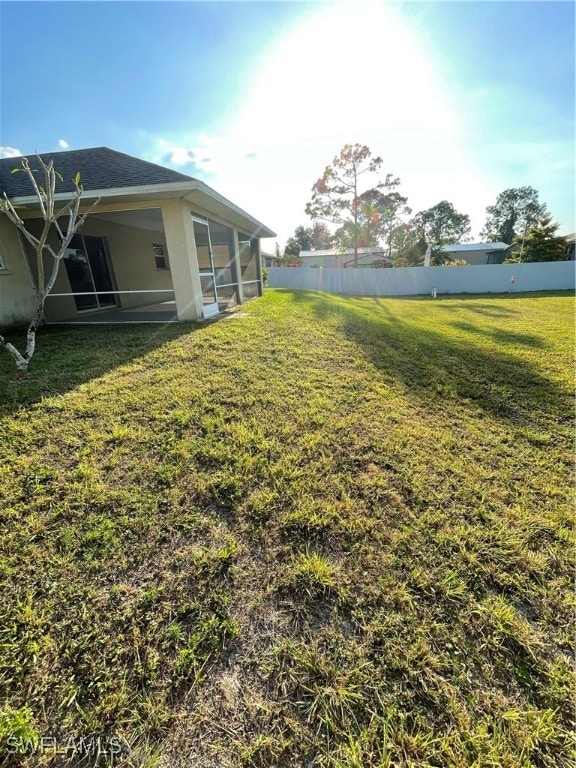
[[23, 360], [355, 218]]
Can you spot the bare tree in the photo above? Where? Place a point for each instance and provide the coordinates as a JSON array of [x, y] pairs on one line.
[[45, 279]]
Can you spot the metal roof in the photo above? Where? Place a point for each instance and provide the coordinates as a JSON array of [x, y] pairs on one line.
[[347, 252], [475, 247]]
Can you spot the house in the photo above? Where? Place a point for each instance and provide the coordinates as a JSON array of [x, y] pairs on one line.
[[478, 253], [570, 246], [367, 257], [160, 245], [269, 259]]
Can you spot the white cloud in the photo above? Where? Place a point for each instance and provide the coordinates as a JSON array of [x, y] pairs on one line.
[[63, 144], [173, 154], [10, 152], [201, 153]]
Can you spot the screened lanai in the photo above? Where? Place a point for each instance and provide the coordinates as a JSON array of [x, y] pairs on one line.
[[160, 245], [118, 269]]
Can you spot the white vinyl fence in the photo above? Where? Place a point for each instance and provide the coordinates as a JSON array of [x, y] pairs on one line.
[[413, 281]]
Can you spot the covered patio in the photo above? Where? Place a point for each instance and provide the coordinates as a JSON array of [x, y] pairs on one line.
[[121, 269], [160, 246], [161, 312]]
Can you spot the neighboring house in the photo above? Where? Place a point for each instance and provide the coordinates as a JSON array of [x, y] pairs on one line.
[[478, 253], [269, 259], [160, 245], [570, 246], [367, 257]]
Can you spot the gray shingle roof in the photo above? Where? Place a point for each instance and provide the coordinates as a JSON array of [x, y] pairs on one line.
[[100, 168]]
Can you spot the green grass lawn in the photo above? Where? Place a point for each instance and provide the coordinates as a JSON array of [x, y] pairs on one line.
[[330, 532]]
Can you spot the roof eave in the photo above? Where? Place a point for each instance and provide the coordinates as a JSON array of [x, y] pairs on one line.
[[257, 228], [193, 191]]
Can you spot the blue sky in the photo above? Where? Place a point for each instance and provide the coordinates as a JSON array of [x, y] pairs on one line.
[[461, 100]]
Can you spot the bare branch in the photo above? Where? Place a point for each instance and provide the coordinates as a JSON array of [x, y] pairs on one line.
[[39, 194], [46, 200]]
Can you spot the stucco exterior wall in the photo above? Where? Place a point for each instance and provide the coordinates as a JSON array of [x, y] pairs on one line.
[[476, 258], [132, 256], [181, 243], [133, 266], [339, 260], [17, 299], [59, 307], [335, 260], [55, 307]]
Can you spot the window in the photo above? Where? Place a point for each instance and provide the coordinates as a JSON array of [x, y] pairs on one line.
[[2, 265], [160, 256]]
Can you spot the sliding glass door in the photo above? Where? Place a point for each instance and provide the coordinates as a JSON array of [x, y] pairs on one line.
[[89, 273]]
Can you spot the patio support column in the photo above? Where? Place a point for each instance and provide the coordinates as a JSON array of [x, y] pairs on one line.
[[183, 259], [259, 266], [237, 267]]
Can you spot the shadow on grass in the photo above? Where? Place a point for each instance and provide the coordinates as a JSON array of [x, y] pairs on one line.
[[477, 304], [502, 336], [437, 365], [67, 356], [481, 308]]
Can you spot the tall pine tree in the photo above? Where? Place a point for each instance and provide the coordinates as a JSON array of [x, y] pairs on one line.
[[542, 243]]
